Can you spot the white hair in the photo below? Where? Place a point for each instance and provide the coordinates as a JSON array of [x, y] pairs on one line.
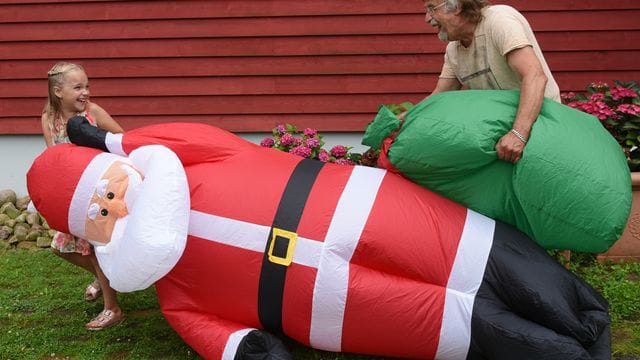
[[451, 5]]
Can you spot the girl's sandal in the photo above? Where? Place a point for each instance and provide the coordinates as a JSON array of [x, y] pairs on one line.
[[104, 320], [93, 291]]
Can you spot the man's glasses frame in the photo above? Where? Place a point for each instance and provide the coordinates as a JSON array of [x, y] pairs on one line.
[[432, 9]]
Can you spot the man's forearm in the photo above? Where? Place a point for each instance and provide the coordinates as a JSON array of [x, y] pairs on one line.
[[531, 98]]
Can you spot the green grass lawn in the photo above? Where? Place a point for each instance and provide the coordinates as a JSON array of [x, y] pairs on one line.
[[42, 314]]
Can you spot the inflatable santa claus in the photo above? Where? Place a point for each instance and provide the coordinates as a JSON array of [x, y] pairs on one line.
[[244, 243]]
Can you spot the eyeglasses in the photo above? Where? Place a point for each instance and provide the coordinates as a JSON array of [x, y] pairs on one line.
[[432, 9]]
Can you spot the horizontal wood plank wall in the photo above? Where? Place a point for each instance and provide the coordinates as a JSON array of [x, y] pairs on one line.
[[247, 65]]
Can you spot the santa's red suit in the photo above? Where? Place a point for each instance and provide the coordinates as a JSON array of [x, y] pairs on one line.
[[353, 259]]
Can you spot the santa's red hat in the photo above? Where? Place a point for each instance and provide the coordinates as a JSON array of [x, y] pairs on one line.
[[62, 181]]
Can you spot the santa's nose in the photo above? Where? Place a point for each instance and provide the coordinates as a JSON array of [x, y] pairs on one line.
[[118, 208]]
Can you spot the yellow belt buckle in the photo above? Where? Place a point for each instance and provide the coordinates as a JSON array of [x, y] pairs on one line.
[[292, 237]]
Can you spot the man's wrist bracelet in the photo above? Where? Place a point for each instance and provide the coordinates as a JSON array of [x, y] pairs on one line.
[[519, 136]]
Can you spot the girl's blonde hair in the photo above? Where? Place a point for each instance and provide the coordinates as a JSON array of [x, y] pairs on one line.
[[57, 77]]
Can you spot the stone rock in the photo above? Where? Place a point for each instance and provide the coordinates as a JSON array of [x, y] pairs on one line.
[[10, 223], [27, 245], [21, 225], [33, 235], [13, 240], [23, 202], [33, 219], [22, 218], [20, 233], [4, 234], [43, 241], [3, 218], [7, 228], [10, 209], [44, 223], [7, 195], [51, 233]]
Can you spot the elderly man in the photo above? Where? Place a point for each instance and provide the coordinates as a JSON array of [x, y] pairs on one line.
[[493, 47]]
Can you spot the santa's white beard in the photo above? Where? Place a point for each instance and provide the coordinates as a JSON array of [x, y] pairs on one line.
[[149, 241]]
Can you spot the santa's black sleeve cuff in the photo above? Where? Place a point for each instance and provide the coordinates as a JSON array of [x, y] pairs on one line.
[[82, 133]]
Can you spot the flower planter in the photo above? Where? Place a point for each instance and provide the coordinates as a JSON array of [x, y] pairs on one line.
[[627, 248]]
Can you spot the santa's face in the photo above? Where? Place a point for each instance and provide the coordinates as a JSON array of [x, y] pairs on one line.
[[109, 202]]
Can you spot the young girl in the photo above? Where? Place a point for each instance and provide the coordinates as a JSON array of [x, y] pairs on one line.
[[68, 97]]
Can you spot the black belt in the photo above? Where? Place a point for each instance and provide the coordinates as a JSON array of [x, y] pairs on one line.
[[278, 253]]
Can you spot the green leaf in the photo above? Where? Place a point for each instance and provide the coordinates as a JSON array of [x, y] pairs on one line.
[[291, 129], [355, 157], [397, 109]]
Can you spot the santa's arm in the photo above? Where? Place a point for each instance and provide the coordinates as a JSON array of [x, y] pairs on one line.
[[215, 338], [192, 142]]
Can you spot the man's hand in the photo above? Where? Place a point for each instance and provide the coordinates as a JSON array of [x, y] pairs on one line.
[[510, 148]]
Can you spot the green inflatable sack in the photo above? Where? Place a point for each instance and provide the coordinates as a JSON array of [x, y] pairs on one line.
[[571, 189]]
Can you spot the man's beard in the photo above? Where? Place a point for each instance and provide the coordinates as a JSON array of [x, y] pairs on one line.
[[442, 34]]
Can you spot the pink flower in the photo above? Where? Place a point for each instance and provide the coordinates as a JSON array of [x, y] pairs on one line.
[[338, 151], [598, 109], [267, 142], [618, 110], [302, 151], [568, 95], [307, 144], [323, 156], [344, 162], [631, 109], [312, 142], [287, 139], [620, 92], [309, 132]]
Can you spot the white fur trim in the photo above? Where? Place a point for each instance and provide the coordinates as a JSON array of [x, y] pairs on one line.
[[249, 236], [332, 281], [465, 280], [114, 144]]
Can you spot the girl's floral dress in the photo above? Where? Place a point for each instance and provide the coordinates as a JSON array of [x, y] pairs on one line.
[[67, 243]]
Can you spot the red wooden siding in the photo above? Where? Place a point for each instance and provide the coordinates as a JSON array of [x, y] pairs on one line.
[[247, 65]]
